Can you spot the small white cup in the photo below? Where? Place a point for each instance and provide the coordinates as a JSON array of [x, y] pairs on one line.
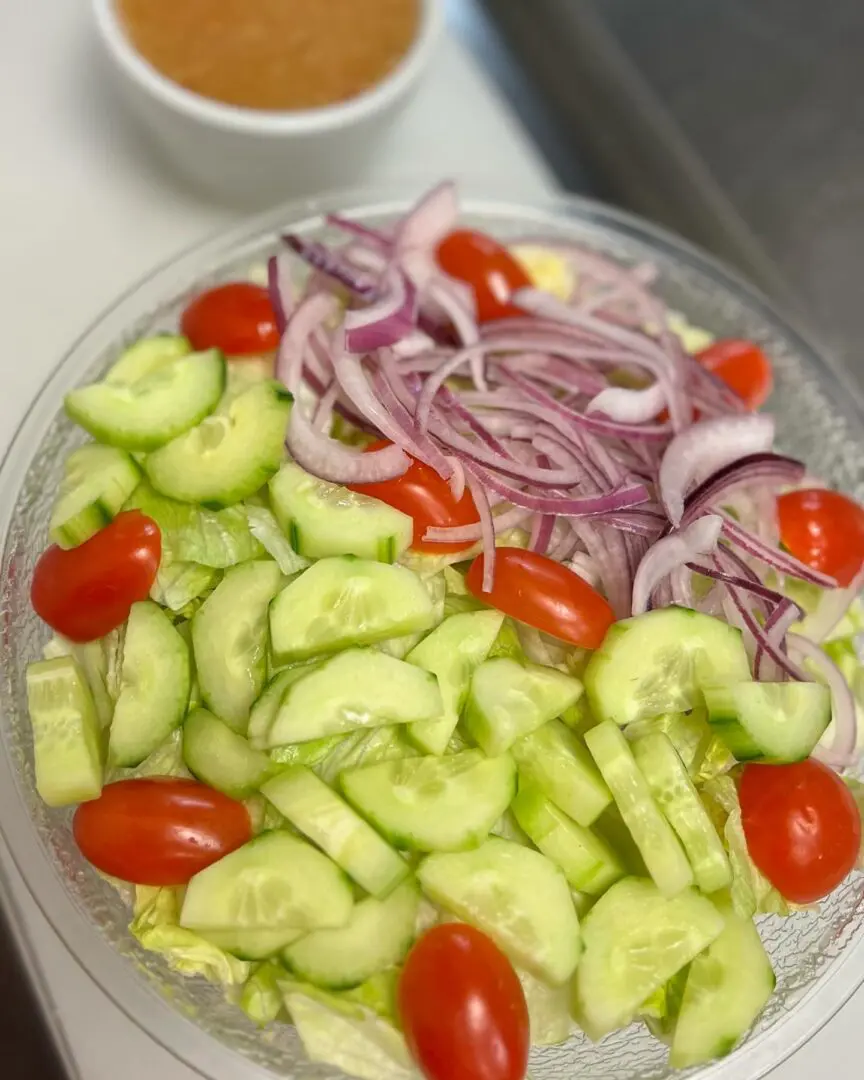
[[253, 157]]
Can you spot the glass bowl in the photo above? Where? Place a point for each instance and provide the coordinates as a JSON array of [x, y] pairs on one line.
[[818, 958]]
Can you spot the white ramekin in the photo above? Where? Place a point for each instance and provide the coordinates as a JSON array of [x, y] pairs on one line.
[[253, 157]]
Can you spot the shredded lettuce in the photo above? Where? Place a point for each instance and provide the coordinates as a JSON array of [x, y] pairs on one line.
[[507, 643], [261, 998], [166, 760], [347, 1036], [179, 584], [215, 538], [265, 529], [378, 993], [704, 755], [751, 893], [548, 1010], [660, 1011], [263, 815]]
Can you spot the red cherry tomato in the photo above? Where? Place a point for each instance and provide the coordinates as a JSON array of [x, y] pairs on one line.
[[462, 1007], [488, 267], [237, 318], [159, 830], [86, 591], [544, 594], [823, 529], [802, 827], [744, 368], [424, 496]]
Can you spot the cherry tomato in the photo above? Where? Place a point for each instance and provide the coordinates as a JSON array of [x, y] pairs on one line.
[[424, 496], [802, 827], [823, 529], [544, 594], [159, 830], [462, 1007], [237, 318], [488, 267], [744, 368], [86, 592]]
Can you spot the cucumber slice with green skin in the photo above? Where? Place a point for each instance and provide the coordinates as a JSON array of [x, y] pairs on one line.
[[322, 519], [312, 807], [515, 895], [153, 410], [773, 722], [676, 795], [215, 538], [557, 762], [363, 748], [67, 741], [589, 864], [275, 882], [727, 987], [155, 680], [635, 941], [229, 456], [658, 662], [98, 480], [453, 651], [359, 688], [433, 804], [658, 845], [264, 710], [508, 700], [229, 638], [378, 936], [346, 601], [253, 944], [146, 356], [222, 758]]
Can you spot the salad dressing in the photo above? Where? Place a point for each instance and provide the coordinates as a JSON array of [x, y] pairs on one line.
[[272, 54]]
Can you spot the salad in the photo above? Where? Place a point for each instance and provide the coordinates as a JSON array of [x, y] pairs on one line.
[[445, 661]]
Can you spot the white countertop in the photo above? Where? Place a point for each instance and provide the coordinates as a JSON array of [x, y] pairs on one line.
[[84, 211]]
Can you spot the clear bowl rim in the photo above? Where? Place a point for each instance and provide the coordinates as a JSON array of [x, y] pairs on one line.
[[165, 1026]]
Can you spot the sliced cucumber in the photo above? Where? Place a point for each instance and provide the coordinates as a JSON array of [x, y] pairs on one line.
[[359, 688], [264, 710], [658, 662], [727, 987], [67, 743], [222, 758], [324, 519], [635, 941], [378, 936], [659, 846], [275, 882], [775, 722], [154, 686], [160, 405], [363, 748], [689, 733], [452, 652], [252, 944], [97, 482], [227, 456], [508, 700], [675, 794], [589, 864], [145, 356], [229, 638], [555, 759], [517, 896], [215, 538], [346, 601], [312, 807], [433, 804]]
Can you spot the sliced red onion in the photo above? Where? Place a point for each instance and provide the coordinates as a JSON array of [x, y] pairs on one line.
[[585, 506], [458, 312], [841, 753], [833, 605], [541, 533], [280, 289], [487, 528], [694, 454], [332, 460], [323, 417], [762, 469], [774, 557], [385, 321], [456, 534], [305, 320], [606, 549], [670, 553], [435, 381], [327, 262], [361, 232], [776, 627], [457, 479], [629, 406], [429, 221]]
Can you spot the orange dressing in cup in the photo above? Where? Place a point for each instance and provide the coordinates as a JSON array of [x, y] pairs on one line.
[[276, 55]]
